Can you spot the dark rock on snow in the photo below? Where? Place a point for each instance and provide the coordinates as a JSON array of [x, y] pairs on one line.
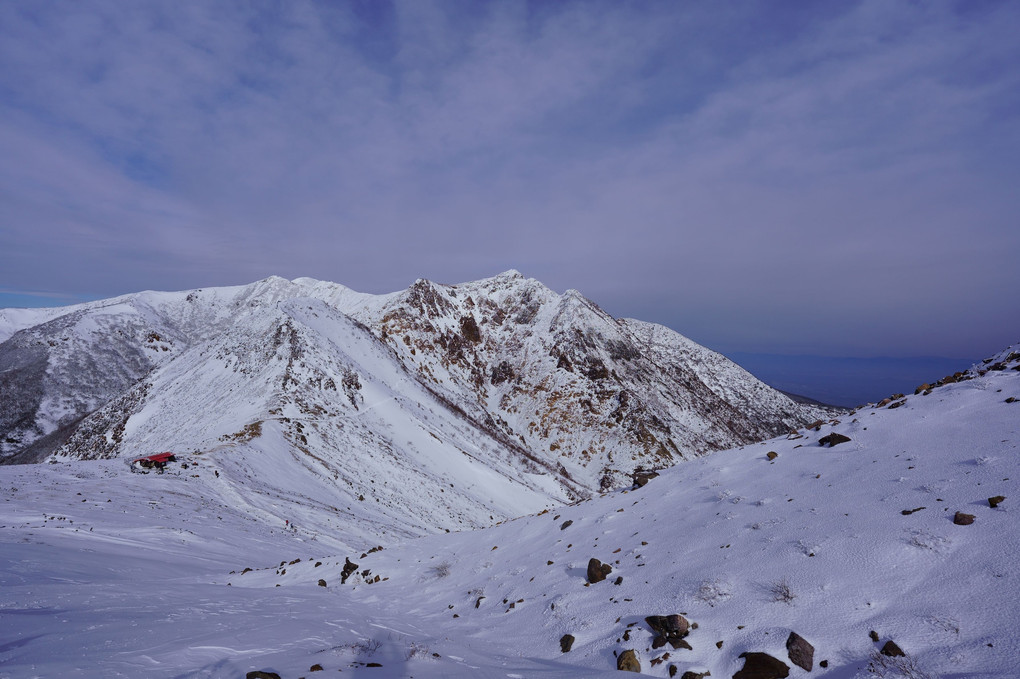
[[259, 674], [566, 643], [669, 629], [892, 650], [349, 567], [802, 653], [961, 519], [597, 571], [833, 440], [993, 502], [762, 666], [641, 478], [628, 662]]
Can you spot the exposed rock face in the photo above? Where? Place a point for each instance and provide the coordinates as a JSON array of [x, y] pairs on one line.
[[506, 344], [628, 662], [801, 653], [762, 666]]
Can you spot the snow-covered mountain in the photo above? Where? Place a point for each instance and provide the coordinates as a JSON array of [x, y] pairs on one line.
[[438, 407], [900, 533]]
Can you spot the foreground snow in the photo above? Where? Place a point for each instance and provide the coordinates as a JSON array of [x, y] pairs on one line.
[[105, 572]]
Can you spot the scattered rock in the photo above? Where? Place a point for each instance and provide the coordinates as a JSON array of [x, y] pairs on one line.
[[961, 519], [619, 580], [908, 512], [597, 571], [993, 502], [322, 583], [873, 635], [566, 643], [566, 524], [762, 666], [315, 668], [823, 664], [628, 662], [892, 650], [802, 653], [772, 455], [1011, 399], [833, 439], [259, 674], [923, 387]]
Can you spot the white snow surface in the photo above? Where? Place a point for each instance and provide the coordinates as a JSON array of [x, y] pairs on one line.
[[104, 572]]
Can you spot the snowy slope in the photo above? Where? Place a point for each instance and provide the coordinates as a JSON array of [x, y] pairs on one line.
[[104, 572]]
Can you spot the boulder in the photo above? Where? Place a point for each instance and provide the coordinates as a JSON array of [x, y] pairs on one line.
[[801, 653], [772, 455], [597, 571], [669, 629], [961, 519], [892, 650], [566, 643], [833, 439], [691, 674], [259, 674], [993, 502], [322, 583], [762, 666], [628, 662]]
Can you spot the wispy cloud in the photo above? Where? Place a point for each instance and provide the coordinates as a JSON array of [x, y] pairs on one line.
[[838, 177]]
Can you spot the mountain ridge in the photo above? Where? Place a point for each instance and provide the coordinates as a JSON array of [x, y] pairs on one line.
[[497, 376]]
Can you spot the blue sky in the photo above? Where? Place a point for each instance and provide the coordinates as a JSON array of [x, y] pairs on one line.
[[794, 178]]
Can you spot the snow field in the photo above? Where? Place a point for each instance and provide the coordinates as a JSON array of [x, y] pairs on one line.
[[814, 541]]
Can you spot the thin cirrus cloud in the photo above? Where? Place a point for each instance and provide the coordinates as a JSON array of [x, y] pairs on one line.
[[831, 179]]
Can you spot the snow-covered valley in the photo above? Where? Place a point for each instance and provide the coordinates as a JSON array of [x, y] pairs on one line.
[[104, 572]]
